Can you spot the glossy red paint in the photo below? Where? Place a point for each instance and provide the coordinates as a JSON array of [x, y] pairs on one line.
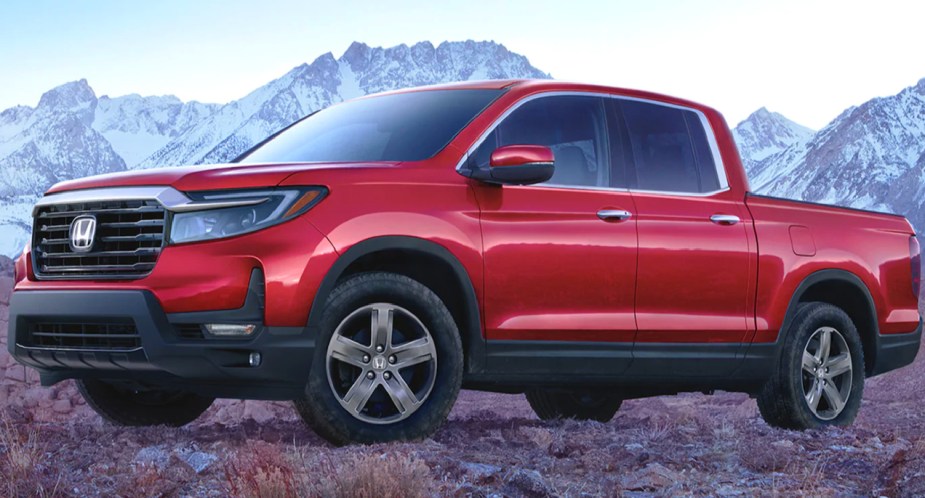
[[516, 155], [21, 267], [553, 269], [213, 177], [542, 264], [207, 276], [694, 275], [871, 246]]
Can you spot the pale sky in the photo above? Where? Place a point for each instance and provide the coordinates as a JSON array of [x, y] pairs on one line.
[[807, 59]]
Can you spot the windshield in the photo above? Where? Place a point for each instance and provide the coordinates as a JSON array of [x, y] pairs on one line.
[[400, 127]]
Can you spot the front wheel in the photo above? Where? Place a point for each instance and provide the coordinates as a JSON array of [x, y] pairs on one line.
[[387, 365], [125, 404], [820, 380]]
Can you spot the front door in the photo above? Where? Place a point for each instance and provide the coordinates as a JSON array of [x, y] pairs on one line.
[[560, 257]]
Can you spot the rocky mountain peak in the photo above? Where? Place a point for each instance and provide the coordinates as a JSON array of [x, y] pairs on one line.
[[70, 96], [357, 55], [764, 134], [869, 157]]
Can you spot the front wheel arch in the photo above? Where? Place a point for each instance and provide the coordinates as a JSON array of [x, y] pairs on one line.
[[469, 321]]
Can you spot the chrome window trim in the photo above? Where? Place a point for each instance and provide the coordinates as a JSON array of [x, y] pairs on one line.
[[718, 162], [172, 199], [575, 187]]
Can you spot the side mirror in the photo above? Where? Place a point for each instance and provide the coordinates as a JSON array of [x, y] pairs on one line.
[[521, 164]]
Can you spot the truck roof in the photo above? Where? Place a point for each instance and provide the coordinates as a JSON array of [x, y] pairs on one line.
[[527, 86]]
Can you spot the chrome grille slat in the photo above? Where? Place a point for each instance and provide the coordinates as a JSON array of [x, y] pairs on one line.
[[59, 214], [129, 239], [110, 268], [133, 224], [54, 242], [137, 252]]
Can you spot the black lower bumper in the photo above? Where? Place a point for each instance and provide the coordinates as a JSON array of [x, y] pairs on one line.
[[165, 355], [897, 350]]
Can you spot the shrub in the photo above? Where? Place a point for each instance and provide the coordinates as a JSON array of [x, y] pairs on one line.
[[376, 476], [262, 471], [21, 472]]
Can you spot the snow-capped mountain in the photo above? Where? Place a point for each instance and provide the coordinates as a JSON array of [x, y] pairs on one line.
[[137, 126], [871, 156], [53, 141], [306, 88], [71, 133], [763, 135]]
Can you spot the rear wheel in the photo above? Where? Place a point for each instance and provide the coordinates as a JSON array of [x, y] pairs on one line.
[[820, 379], [388, 362], [124, 404], [553, 405]]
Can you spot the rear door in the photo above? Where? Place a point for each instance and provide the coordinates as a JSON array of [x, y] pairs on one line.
[[560, 257], [693, 272]]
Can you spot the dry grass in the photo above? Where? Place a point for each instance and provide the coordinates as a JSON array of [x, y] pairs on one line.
[[269, 473], [264, 473], [377, 476], [21, 470]]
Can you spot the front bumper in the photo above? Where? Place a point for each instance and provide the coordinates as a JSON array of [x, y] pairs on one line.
[[166, 356]]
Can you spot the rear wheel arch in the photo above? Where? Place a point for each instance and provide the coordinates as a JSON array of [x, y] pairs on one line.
[[429, 263], [848, 292]]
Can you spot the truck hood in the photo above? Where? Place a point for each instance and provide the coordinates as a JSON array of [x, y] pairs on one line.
[[207, 177]]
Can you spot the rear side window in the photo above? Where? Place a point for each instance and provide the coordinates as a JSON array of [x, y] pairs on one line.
[[670, 149]]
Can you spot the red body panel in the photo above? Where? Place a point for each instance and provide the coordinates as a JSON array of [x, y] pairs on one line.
[[207, 276], [543, 266], [553, 270], [871, 246], [694, 275]]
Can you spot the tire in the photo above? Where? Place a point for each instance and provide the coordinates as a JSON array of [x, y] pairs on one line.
[[126, 406], [809, 374], [555, 405], [403, 392]]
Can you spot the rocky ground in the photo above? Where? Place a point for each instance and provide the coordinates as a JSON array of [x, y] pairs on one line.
[[51, 444]]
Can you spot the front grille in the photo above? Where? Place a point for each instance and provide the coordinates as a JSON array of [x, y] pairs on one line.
[[117, 335], [129, 238]]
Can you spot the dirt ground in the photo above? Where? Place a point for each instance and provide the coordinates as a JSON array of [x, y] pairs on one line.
[[51, 444]]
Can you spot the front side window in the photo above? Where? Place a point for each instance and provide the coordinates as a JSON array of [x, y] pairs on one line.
[[670, 149], [409, 126], [572, 126]]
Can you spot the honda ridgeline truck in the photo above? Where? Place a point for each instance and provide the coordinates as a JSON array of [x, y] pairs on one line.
[[580, 244]]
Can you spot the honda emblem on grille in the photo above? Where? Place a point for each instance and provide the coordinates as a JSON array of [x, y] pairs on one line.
[[83, 233]]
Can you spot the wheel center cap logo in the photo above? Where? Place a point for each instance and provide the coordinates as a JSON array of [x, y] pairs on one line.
[[379, 362], [83, 232]]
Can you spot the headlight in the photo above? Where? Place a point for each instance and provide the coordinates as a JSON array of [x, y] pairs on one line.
[[215, 215]]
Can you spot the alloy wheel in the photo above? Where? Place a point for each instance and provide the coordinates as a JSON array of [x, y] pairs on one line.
[[827, 373], [381, 363]]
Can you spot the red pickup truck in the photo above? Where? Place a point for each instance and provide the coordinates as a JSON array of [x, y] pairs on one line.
[[577, 243]]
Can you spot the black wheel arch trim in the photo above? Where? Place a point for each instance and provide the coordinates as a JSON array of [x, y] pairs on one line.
[[827, 275], [472, 331]]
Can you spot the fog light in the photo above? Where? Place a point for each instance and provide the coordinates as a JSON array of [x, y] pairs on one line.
[[254, 359], [230, 329]]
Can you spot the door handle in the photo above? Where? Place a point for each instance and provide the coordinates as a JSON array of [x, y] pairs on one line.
[[724, 219], [614, 214]]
